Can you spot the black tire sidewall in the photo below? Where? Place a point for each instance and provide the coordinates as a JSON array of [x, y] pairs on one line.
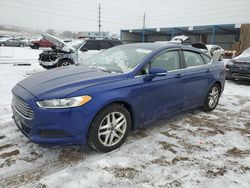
[[206, 107], [60, 62], [93, 139], [36, 46]]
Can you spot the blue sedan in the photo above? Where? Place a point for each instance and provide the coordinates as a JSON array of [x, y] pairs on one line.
[[113, 92]]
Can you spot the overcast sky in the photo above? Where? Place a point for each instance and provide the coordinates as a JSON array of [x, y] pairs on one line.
[[82, 15]]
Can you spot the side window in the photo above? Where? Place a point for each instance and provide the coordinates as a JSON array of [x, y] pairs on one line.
[[104, 45], [169, 61], [116, 43], [206, 58], [193, 59], [91, 45]]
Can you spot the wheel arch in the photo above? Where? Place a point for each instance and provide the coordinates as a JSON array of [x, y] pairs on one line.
[[122, 102], [65, 58], [215, 82]]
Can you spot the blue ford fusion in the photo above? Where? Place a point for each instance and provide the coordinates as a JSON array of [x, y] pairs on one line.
[[120, 89]]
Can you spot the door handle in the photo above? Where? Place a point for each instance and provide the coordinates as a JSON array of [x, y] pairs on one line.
[[208, 70], [177, 76]]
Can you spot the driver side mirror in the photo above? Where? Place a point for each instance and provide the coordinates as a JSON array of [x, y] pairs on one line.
[[155, 72]]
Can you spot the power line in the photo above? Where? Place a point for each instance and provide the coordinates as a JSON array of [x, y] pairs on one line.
[[60, 14]]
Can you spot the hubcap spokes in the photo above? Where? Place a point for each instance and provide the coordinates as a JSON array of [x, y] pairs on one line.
[[112, 129], [213, 97]]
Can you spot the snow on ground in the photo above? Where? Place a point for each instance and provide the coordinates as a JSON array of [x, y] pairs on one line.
[[194, 149]]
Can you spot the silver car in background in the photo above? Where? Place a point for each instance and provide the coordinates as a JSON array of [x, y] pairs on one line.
[[19, 42], [217, 51]]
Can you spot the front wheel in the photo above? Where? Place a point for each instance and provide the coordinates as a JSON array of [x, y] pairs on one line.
[[2, 44], [212, 98], [109, 128], [64, 62]]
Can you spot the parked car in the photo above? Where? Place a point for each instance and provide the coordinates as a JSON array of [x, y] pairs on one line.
[[201, 46], [239, 67], [13, 42], [122, 88], [182, 39], [217, 51], [41, 43], [73, 52]]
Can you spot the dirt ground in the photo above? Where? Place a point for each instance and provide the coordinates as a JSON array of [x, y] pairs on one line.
[[194, 149]]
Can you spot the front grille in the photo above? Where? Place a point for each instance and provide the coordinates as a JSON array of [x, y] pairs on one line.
[[22, 107]]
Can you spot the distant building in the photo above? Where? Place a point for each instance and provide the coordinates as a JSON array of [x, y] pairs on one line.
[[228, 36], [92, 34]]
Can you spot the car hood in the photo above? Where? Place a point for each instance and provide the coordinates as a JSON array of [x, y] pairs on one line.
[[244, 57], [61, 82], [59, 44]]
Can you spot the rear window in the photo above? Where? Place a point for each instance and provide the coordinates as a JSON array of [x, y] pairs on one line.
[[206, 59], [193, 59]]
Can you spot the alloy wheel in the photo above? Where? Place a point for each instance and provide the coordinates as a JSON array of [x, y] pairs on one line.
[[112, 129], [213, 97]]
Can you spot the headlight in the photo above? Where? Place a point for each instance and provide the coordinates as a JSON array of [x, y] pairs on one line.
[[64, 103], [230, 63]]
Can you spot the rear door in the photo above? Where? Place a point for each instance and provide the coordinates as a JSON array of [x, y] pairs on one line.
[[197, 78]]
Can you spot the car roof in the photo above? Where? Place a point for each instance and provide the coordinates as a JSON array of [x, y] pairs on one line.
[[109, 40], [158, 46], [152, 46]]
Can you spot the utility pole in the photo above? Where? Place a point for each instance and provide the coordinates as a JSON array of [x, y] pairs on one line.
[[99, 19], [143, 27]]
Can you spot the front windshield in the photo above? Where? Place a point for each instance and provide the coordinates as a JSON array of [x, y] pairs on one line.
[[119, 59]]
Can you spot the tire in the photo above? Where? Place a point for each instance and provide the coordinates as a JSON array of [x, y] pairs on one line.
[[212, 98], [64, 62], [2, 44], [36, 46], [115, 136], [21, 45]]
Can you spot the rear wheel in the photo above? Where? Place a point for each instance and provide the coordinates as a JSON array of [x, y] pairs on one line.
[[2, 44], [109, 128], [212, 98], [21, 45], [36, 46]]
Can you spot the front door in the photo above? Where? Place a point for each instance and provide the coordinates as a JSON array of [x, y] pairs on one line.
[[163, 95]]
